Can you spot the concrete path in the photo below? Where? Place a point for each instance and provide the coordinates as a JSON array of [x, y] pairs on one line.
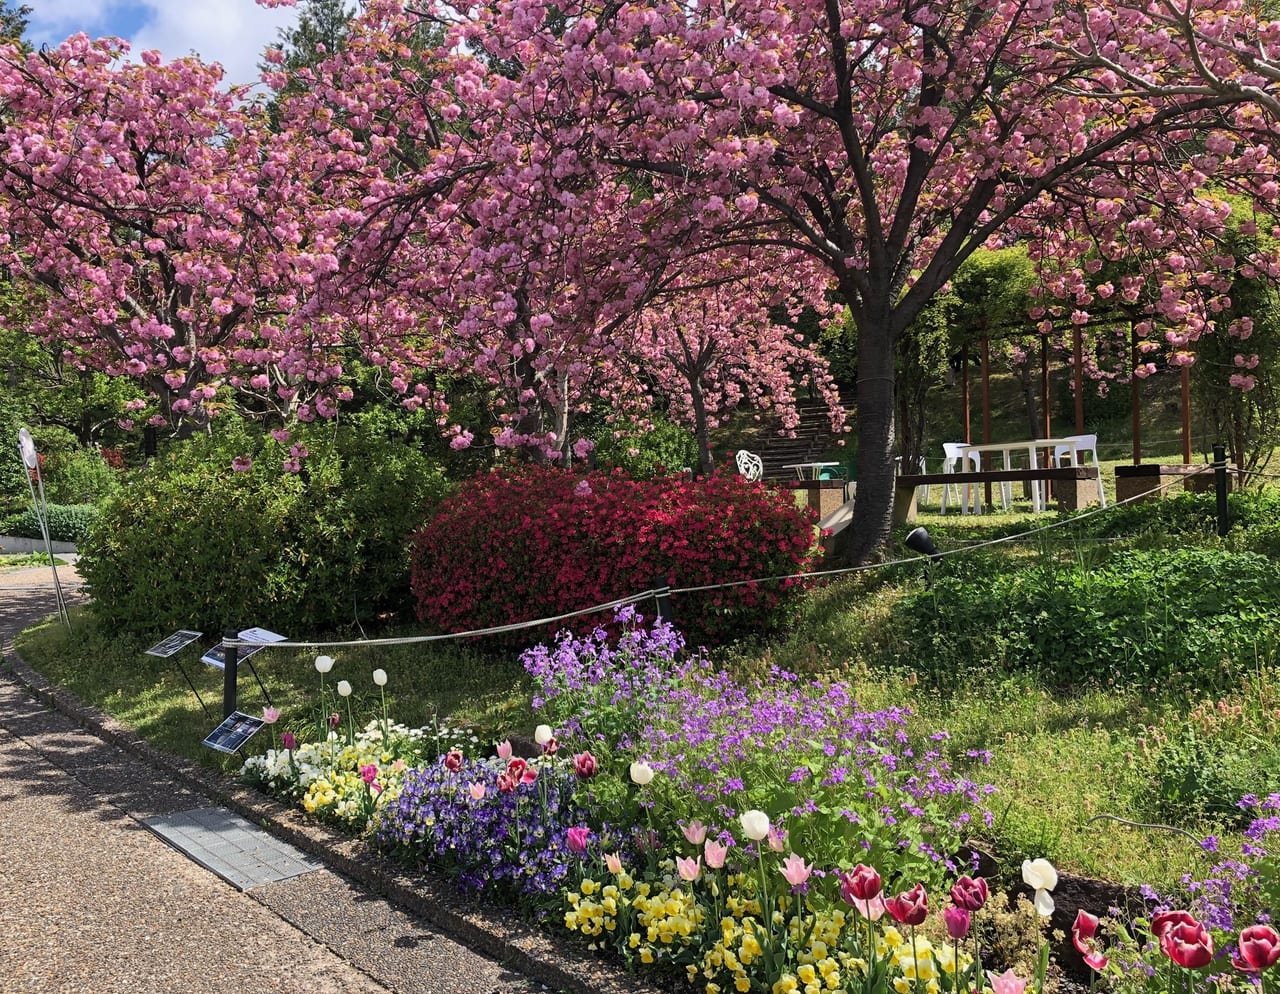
[[91, 901]]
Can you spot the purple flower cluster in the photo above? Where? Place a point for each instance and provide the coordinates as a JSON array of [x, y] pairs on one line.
[[595, 689], [515, 839], [1236, 893], [835, 773], [721, 741]]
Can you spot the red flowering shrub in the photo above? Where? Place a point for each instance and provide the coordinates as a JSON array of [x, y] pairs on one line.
[[536, 541]]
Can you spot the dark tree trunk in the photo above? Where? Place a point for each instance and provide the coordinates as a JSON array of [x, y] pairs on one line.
[[700, 430], [873, 507]]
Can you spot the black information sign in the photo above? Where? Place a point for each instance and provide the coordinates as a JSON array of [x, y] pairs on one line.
[[217, 656], [236, 729], [173, 644]]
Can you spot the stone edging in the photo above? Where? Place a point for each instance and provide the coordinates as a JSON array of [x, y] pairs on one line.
[[486, 928]]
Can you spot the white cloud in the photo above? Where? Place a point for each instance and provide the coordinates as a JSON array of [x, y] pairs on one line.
[[232, 32]]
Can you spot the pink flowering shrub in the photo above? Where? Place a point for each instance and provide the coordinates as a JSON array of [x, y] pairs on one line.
[[536, 541]]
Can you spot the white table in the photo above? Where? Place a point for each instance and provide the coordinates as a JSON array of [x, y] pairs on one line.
[[813, 469], [1032, 448]]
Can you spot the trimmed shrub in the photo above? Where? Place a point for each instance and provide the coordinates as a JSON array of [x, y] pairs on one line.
[[536, 541], [67, 523], [192, 543]]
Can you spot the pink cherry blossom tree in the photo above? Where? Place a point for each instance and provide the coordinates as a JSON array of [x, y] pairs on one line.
[[886, 141], [153, 207]]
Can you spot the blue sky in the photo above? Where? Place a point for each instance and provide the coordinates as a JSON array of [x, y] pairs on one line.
[[232, 32]]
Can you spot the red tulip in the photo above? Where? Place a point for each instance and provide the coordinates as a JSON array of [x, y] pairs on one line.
[[1165, 920], [957, 921], [861, 884], [1084, 937], [969, 893], [453, 760], [1188, 944], [1259, 949], [505, 784], [516, 768], [910, 907]]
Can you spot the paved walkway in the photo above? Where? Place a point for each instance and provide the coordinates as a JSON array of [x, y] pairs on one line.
[[91, 901]]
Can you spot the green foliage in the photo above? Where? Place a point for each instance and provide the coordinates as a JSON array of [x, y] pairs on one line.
[[1199, 776], [1175, 518], [646, 454], [1192, 617], [79, 477], [67, 523], [192, 543], [13, 474]]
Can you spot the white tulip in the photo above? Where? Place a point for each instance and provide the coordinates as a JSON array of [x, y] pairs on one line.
[[380, 677], [755, 824], [344, 688], [543, 734], [324, 664], [1039, 874], [641, 773]]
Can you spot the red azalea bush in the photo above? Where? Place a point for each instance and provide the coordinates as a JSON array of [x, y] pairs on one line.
[[534, 541]]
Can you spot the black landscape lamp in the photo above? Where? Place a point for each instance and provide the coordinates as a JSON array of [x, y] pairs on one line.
[[918, 541]]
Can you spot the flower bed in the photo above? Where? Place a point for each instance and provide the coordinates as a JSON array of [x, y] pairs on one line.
[[746, 836]]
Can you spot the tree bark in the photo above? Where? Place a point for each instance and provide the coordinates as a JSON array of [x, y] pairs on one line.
[[873, 506]]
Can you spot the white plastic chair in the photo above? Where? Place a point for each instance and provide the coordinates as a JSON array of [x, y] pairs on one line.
[[750, 465], [951, 464], [1085, 445]]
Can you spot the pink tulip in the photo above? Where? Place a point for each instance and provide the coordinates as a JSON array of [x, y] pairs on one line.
[[1084, 937], [369, 773], [584, 765], [335, 720], [776, 841], [795, 870], [529, 775], [613, 862], [505, 784], [694, 832], [1006, 983], [477, 791], [688, 867], [578, 836], [1259, 949], [504, 749], [270, 715], [715, 853], [957, 921], [910, 907], [289, 741], [969, 893]]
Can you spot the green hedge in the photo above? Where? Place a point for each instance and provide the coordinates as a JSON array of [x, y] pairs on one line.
[[191, 543], [1194, 617], [67, 523]]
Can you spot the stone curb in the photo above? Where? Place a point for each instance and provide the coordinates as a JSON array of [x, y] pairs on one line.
[[484, 927]]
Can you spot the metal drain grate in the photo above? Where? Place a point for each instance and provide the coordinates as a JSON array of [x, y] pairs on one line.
[[224, 843]]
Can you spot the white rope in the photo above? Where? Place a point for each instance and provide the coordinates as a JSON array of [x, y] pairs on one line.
[[412, 639]]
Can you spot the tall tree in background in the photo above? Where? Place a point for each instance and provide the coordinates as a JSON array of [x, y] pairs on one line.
[[13, 22], [321, 30]]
